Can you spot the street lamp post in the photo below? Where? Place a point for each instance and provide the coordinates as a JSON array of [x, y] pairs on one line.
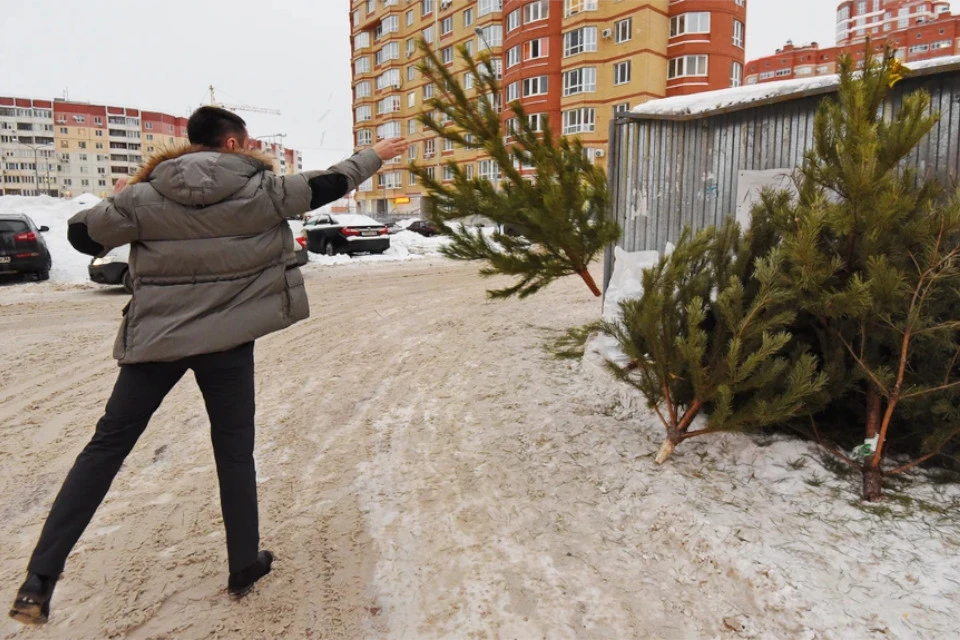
[[36, 166]]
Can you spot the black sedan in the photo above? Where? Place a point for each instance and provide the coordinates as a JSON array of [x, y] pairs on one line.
[[347, 233], [423, 227], [22, 248]]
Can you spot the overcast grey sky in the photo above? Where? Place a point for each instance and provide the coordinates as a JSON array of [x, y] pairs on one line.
[[291, 55]]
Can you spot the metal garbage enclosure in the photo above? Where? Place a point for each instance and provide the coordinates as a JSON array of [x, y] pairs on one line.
[[697, 159]]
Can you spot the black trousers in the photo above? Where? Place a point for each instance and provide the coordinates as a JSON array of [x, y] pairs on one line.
[[226, 381]]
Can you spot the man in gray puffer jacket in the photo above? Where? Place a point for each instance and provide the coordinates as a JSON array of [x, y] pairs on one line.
[[213, 269]]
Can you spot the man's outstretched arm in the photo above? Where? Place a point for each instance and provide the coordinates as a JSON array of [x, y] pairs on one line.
[[295, 195]]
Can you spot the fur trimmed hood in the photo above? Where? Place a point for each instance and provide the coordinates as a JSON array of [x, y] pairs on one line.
[[198, 176]]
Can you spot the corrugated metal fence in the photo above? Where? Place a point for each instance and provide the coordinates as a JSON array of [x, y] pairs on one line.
[[669, 171]]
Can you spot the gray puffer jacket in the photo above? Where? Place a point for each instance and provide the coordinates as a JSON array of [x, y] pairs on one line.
[[211, 254]]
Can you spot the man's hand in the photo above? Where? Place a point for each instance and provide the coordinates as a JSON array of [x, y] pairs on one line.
[[119, 185], [390, 148]]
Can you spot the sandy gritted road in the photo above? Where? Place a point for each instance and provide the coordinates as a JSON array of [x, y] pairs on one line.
[[381, 483]]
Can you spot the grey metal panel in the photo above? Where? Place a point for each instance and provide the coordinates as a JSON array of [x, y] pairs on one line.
[[668, 172]]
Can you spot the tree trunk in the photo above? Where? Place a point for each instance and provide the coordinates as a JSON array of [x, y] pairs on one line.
[[872, 484], [667, 449], [874, 411], [590, 283]]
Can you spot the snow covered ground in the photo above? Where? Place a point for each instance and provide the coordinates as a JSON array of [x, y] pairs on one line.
[[70, 266], [446, 477]]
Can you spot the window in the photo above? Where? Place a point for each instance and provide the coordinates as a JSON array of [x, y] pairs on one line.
[[537, 49], [447, 146], [491, 36], [388, 130], [411, 46], [736, 74], [695, 22], [364, 137], [536, 11], [687, 66], [426, 7], [412, 152], [513, 91], [536, 121], [468, 80], [411, 73], [783, 72], [535, 86], [919, 48], [446, 26], [390, 24], [363, 89], [447, 173], [82, 145], [446, 55], [362, 65], [364, 113], [83, 157], [389, 78], [573, 7], [390, 104], [579, 40], [412, 129], [488, 170], [580, 81], [579, 121], [427, 91], [392, 180], [388, 52], [468, 17], [410, 18], [623, 107], [513, 56], [624, 30], [97, 120], [361, 40], [149, 137], [412, 99], [510, 128], [429, 148], [513, 20], [621, 72], [428, 34], [488, 6], [63, 130], [737, 34]]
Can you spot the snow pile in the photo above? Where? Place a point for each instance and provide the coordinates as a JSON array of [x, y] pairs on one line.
[[404, 246], [69, 265]]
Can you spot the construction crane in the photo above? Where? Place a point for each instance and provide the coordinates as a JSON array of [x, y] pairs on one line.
[[239, 107]]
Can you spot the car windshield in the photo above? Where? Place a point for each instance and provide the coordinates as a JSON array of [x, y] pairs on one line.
[[13, 226], [356, 220]]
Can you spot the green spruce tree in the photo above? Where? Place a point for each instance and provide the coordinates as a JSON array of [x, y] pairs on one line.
[[870, 249], [709, 335], [562, 212]]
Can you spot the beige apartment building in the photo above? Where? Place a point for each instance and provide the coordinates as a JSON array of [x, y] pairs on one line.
[[572, 62], [65, 149]]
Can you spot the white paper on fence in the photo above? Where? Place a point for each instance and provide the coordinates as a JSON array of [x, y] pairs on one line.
[[626, 282]]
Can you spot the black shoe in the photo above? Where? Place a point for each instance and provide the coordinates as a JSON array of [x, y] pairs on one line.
[[32, 605], [241, 582]]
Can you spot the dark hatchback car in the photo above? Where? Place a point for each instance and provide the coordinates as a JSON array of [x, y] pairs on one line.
[[347, 233], [423, 227], [22, 248]]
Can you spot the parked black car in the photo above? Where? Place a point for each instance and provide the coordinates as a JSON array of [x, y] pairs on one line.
[[423, 227], [22, 248], [345, 233]]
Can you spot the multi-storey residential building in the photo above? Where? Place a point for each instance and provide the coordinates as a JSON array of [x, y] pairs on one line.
[[859, 19], [915, 29], [63, 148], [574, 63]]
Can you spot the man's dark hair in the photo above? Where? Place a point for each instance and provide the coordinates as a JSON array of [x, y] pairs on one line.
[[211, 126]]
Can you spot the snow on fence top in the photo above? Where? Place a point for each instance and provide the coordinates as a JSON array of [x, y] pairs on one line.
[[738, 98]]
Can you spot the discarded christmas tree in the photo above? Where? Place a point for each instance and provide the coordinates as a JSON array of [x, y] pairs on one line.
[[560, 209], [709, 336], [871, 250]]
